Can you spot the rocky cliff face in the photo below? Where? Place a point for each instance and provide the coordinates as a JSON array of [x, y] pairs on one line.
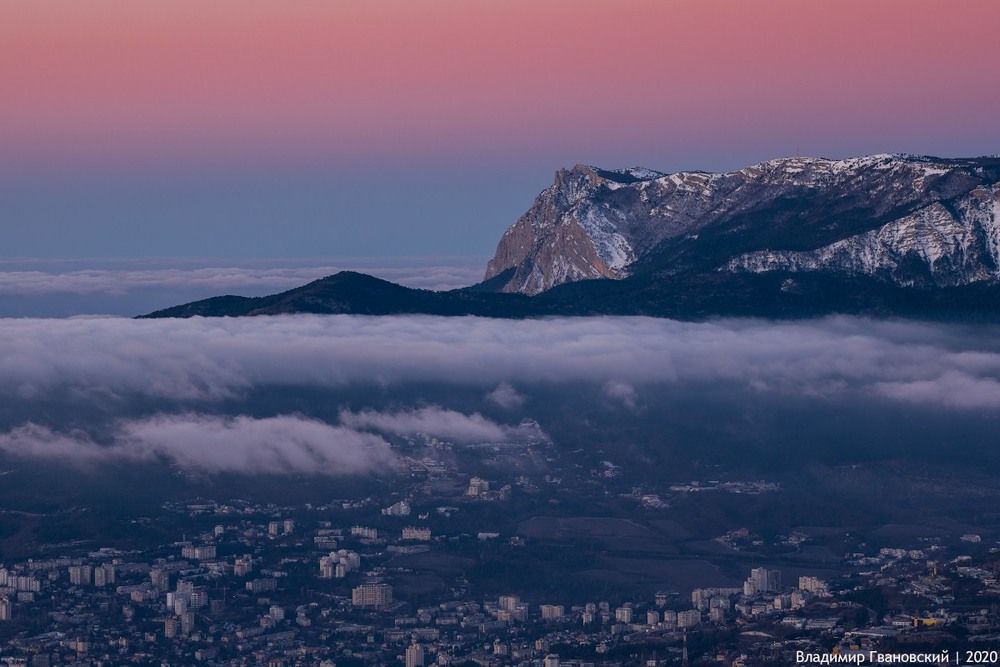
[[907, 220], [942, 244], [565, 236]]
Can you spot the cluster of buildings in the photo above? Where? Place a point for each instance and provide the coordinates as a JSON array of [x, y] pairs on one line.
[[333, 584], [232, 600]]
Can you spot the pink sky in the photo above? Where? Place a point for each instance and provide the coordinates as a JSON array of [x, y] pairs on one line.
[[425, 127], [108, 81]]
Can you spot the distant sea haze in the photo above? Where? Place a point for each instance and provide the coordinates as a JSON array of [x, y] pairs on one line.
[[65, 288]]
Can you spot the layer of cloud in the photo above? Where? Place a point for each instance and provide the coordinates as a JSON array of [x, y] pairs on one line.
[[206, 359], [248, 281], [952, 389], [437, 422], [621, 391], [283, 444]]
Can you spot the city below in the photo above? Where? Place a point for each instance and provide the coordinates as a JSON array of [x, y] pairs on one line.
[[444, 567]]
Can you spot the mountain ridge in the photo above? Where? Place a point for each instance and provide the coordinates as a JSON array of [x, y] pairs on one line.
[[594, 223], [883, 235], [774, 295], [351, 292]]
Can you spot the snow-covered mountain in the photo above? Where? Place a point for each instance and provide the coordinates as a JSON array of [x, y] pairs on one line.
[[906, 220]]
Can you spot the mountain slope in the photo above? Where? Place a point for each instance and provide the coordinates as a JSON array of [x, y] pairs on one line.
[[903, 219], [775, 294], [356, 293]]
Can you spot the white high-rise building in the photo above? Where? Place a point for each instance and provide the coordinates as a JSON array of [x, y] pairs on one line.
[[198, 598], [338, 564], [416, 533], [372, 595], [187, 622], [364, 532], [477, 487], [25, 583], [552, 612], [689, 618], [509, 602], [813, 585], [206, 552], [6, 610], [243, 566], [79, 575], [415, 656], [762, 580], [160, 578], [402, 508]]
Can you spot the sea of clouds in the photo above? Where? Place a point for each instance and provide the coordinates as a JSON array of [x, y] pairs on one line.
[[188, 367]]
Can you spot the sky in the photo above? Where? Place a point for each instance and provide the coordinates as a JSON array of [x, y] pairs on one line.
[[413, 128]]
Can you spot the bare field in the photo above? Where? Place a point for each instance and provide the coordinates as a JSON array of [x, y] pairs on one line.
[[651, 575]]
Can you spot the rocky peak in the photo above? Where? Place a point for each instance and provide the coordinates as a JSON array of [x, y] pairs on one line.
[[572, 184], [598, 223], [554, 241]]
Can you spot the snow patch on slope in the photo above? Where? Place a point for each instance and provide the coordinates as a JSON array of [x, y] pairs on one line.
[[948, 246], [611, 246]]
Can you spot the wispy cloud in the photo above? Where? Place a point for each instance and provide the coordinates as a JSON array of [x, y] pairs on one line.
[[952, 389], [436, 421], [621, 391], [283, 444], [506, 396]]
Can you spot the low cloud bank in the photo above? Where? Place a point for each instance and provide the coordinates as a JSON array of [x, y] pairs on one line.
[[225, 280], [283, 444], [212, 359], [438, 422]]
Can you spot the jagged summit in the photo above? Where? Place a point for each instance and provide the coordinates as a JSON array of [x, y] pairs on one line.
[[903, 218]]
